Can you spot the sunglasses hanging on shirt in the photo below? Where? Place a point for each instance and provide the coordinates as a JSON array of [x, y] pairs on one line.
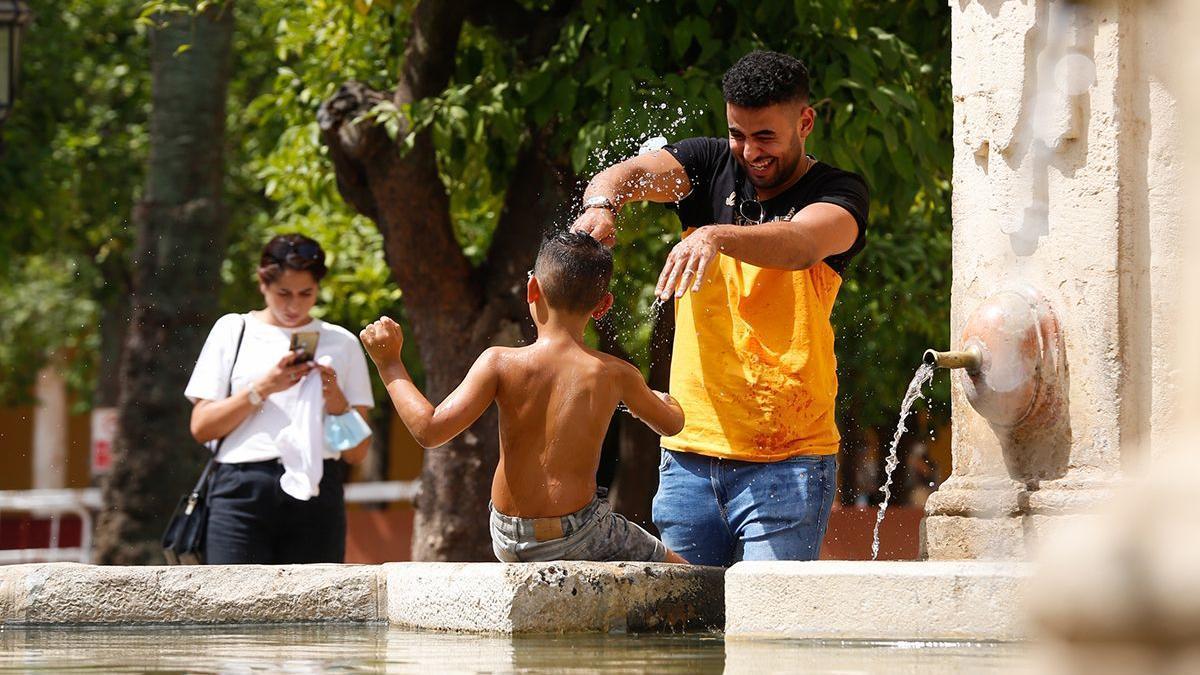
[[749, 211]]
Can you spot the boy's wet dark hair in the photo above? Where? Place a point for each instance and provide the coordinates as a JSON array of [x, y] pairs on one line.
[[573, 270], [292, 252], [760, 79]]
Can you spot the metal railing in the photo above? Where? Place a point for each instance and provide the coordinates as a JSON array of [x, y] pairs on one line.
[[85, 502]]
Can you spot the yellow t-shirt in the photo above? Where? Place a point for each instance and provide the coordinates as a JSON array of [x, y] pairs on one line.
[[753, 364]]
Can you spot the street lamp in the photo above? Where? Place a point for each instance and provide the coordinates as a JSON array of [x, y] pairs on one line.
[[14, 14]]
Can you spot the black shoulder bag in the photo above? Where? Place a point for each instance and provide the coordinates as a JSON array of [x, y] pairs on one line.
[[183, 542]]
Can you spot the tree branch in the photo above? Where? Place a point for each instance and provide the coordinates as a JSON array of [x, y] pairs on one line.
[[536, 200], [429, 56], [403, 193], [534, 32], [351, 144]]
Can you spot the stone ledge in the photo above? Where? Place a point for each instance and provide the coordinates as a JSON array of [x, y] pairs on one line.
[[560, 597], [555, 597], [851, 600], [71, 593]]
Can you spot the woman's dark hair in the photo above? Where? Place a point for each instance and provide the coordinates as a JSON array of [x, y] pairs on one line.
[[760, 79], [574, 270], [291, 252]]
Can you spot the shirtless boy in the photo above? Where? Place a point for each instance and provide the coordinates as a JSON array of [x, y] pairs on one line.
[[556, 397]]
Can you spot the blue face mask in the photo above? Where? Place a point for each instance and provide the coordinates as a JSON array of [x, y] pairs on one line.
[[345, 431]]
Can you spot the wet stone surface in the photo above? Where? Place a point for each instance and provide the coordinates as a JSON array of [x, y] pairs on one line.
[[561, 597], [558, 597]]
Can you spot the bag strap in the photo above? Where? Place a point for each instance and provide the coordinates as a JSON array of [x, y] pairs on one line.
[[198, 491], [237, 351]]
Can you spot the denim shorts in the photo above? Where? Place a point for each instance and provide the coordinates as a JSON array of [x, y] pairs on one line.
[[591, 533]]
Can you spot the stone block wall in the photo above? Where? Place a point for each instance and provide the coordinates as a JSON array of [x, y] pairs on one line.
[[1066, 181]]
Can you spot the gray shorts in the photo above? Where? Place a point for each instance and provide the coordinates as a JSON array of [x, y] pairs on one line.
[[591, 533]]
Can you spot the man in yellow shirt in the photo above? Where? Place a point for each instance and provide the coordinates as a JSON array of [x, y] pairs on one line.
[[768, 232]]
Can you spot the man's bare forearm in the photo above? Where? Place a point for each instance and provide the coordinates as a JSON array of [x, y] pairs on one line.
[[616, 182], [656, 178], [780, 245]]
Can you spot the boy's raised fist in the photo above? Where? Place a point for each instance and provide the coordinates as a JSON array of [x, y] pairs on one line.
[[383, 340]]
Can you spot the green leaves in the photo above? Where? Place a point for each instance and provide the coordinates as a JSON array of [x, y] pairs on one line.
[[616, 73], [47, 312]]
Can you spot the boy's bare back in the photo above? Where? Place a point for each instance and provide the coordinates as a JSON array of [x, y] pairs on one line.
[[556, 400], [556, 396]]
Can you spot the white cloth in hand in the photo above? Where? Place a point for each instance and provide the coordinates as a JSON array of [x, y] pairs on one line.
[[302, 443]]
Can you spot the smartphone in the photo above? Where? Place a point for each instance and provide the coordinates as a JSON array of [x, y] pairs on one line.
[[306, 344]]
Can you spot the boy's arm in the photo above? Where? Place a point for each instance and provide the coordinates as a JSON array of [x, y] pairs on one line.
[[430, 426], [658, 410]]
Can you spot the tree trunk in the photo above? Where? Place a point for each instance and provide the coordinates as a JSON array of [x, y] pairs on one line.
[[455, 310], [180, 223], [114, 318]]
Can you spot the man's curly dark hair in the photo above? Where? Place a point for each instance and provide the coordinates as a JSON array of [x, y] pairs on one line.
[[762, 78]]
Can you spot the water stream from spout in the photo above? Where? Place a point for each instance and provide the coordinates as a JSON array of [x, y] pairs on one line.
[[923, 375]]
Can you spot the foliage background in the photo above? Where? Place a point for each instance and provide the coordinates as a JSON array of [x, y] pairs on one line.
[[620, 72]]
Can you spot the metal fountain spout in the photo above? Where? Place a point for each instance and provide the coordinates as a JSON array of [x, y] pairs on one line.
[[1011, 368], [969, 359]]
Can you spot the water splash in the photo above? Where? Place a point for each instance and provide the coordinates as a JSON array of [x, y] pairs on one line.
[[924, 374], [656, 307], [643, 127]]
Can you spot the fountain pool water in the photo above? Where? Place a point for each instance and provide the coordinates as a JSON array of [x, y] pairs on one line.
[[362, 649]]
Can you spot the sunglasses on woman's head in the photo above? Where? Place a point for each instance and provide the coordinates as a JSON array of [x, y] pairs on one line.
[[303, 250]]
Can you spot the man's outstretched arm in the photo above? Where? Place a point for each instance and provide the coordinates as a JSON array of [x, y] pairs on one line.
[[655, 177], [815, 233], [430, 426]]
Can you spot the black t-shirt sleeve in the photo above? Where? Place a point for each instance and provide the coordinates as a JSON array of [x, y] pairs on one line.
[[849, 191], [702, 159]]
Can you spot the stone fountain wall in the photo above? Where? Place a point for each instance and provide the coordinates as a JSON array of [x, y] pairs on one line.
[[1066, 183]]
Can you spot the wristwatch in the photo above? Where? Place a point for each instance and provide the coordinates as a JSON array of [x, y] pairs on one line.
[[600, 202], [256, 398]]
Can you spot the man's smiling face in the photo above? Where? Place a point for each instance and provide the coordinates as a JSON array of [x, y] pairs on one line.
[[769, 142]]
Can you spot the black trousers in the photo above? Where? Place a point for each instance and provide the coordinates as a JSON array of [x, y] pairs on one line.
[[251, 520]]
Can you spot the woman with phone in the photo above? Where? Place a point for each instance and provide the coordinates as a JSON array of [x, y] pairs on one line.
[[249, 393]]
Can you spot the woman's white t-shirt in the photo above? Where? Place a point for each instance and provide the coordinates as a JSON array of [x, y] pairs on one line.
[[263, 345]]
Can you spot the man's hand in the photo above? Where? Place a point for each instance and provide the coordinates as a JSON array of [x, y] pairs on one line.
[[383, 340], [600, 223], [688, 262]]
